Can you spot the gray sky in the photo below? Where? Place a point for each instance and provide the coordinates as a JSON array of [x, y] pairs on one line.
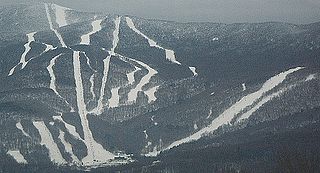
[[226, 11]]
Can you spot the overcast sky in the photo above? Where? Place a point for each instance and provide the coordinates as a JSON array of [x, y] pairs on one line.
[[225, 11]]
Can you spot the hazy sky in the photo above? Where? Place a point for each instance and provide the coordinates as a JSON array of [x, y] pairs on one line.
[[226, 11]]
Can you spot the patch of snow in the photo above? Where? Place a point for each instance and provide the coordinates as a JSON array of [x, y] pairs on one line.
[[20, 127], [195, 126], [17, 156], [47, 140], [244, 87], [215, 39], [311, 77], [27, 47], [96, 27], [194, 71], [151, 94], [130, 75], [210, 113], [230, 113], [154, 122], [115, 98]]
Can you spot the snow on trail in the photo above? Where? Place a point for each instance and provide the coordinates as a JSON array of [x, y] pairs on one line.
[[96, 153], [96, 27], [230, 113], [60, 13], [133, 94], [261, 103], [71, 129], [17, 156], [130, 75], [106, 63], [20, 127], [115, 98], [27, 47], [170, 55], [210, 113], [151, 94], [47, 140], [92, 77], [68, 147], [52, 28], [53, 80]]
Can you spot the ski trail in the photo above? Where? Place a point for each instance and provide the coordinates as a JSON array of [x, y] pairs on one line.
[[106, 63], [151, 94], [133, 93], [231, 112], [115, 98], [68, 147], [47, 140], [130, 75], [170, 54], [53, 80], [52, 28], [60, 13], [27, 47], [17, 156], [261, 103], [96, 27], [20, 127], [92, 77], [96, 154], [71, 129]]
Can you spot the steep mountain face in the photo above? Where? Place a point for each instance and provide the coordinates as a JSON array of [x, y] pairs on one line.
[[82, 89]]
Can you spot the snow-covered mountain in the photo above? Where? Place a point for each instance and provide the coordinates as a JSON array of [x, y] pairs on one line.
[[84, 90]]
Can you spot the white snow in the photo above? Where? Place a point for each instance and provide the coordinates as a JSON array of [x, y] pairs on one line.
[[47, 140], [215, 39], [17, 156], [115, 98], [210, 113], [130, 75], [71, 129], [194, 71], [261, 103], [154, 122], [96, 27], [106, 63], [195, 126], [53, 80], [52, 28], [244, 87], [96, 153], [20, 127], [151, 94], [68, 147], [170, 55], [60, 13], [230, 113], [311, 77], [91, 78], [133, 94], [27, 47]]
